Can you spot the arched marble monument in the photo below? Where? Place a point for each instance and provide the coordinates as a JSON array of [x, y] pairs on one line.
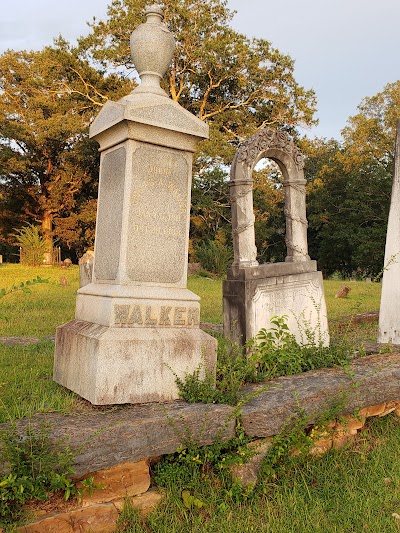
[[254, 293]]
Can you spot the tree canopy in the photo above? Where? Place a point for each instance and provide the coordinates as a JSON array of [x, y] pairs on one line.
[[235, 84], [349, 188], [48, 166]]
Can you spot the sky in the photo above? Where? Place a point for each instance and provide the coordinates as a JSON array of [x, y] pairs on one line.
[[343, 49]]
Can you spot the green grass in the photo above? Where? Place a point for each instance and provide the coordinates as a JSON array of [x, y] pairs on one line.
[[26, 385], [362, 298], [48, 305], [355, 489], [210, 292]]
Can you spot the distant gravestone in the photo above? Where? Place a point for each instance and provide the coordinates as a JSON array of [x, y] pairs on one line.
[[389, 314], [86, 268], [137, 324], [253, 293], [343, 292]]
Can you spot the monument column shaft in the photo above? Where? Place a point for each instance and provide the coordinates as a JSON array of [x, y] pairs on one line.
[[245, 251], [146, 208], [296, 221], [389, 314]]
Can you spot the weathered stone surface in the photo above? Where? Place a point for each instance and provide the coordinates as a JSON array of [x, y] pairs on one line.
[[99, 518], [145, 503], [136, 323], [389, 313], [122, 480], [120, 365], [132, 433], [252, 293], [247, 473], [249, 304], [371, 380]]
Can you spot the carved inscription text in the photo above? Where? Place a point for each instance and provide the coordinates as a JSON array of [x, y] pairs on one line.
[[155, 315]]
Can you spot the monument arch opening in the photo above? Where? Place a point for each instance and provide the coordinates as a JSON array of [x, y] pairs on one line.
[[268, 205]]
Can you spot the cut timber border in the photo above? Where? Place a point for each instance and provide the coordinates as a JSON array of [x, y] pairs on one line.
[[104, 438]]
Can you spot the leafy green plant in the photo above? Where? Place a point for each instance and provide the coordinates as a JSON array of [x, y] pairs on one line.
[[23, 286], [274, 352], [232, 372], [214, 256], [184, 470], [32, 243], [35, 467]]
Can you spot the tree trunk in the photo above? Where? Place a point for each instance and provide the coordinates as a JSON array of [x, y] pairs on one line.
[[47, 231]]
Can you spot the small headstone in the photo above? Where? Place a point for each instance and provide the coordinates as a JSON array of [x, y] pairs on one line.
[[67, 262], [63, 281], [1, 259], [343, 292], [86, 268], [368, 280]]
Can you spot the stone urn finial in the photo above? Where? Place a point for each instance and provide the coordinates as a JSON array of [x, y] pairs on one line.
[[152, 50]]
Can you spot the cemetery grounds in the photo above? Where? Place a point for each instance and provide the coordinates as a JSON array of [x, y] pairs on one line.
[[356, 488]]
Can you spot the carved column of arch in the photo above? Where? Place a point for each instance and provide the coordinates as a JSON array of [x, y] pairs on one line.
[[278, 146]]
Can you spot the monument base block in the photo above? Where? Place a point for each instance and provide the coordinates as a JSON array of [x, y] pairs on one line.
[[111, 365], [253, 295]]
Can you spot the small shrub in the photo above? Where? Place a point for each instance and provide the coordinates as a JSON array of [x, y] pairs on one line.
[[232, 372], [214, 257], [275, 352], [32, 244], [34, 468], [272, 353], [186, 468]]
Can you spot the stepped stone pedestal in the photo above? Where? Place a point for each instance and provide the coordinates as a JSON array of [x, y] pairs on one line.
[[137, 325]]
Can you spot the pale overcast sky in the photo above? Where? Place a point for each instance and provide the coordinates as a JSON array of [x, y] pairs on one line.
[[344, 49]]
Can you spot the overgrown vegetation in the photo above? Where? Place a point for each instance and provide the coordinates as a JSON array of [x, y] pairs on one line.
[[356, 488], [35, 468], [214, 256], [273, 353]]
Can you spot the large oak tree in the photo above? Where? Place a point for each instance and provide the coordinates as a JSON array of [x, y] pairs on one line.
[[48, 166]]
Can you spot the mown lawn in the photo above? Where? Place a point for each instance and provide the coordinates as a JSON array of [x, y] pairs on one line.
[[355, 489], [26, 384], [51, 304]]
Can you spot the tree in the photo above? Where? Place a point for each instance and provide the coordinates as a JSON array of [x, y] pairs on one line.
[[347, 208], [48, 167], [235, 84]]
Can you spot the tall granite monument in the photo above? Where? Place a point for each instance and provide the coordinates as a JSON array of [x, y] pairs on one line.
[[137, 325], [253, 293], [389, 313]]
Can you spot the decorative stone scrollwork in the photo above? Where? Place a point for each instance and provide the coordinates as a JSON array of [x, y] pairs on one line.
[[267, 138], [278, 146], [294, 218]]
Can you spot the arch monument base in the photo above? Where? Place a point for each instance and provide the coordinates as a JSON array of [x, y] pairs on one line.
[[253, 295]]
